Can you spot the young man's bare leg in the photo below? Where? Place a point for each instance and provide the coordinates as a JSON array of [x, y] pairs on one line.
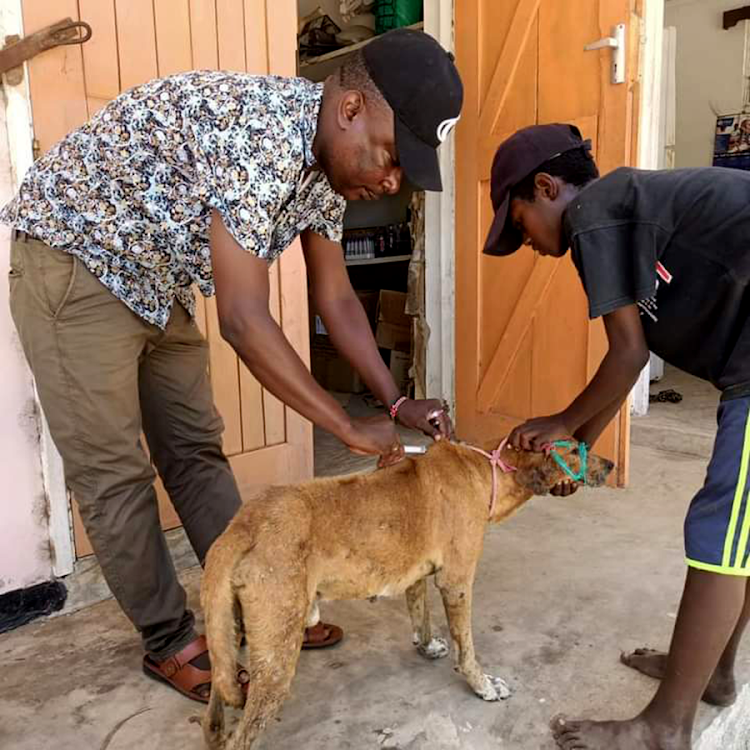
[[724, 679], [722, 688], [710, 611]]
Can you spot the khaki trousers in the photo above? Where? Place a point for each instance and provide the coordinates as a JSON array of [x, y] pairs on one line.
[[103, 376]]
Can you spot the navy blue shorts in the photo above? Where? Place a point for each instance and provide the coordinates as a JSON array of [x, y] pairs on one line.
[[717, 527]]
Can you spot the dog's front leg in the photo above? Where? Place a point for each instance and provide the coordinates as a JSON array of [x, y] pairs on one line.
[[457, 600], [427, 645]]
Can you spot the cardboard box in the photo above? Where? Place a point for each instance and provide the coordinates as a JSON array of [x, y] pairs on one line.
[[397, 338], [391, 306], [332, 371], [369, 299], [394, 326]]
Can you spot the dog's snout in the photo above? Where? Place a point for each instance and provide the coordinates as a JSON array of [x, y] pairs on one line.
[[599, 469]]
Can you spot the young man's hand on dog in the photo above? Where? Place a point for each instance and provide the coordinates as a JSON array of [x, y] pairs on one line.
[[564, 488], [535, 434]]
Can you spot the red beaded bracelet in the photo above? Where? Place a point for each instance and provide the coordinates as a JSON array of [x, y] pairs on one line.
[[396, 406]]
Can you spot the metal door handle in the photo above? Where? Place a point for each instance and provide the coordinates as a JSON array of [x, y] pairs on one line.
[[16, 50], [608, 41], [616, 43]]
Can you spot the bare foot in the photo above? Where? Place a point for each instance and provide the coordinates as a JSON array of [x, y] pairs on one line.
[[721, 691], [613, 735]]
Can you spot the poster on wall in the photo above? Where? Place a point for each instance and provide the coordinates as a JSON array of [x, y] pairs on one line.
[[732, 141]]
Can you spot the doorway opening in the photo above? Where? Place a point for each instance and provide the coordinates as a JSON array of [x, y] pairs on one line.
[[383, 240]]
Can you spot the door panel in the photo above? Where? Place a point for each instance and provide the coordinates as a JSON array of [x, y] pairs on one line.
[[526, 346], [134, 41]]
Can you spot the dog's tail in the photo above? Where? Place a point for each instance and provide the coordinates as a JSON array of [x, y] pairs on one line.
[[221, 610], [213, 723]]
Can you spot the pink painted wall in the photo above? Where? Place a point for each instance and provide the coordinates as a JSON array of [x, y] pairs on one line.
[[24, 531]]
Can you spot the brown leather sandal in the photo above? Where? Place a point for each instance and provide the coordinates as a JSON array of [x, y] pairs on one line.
[[322, 635], [180, 674], [194, 683]]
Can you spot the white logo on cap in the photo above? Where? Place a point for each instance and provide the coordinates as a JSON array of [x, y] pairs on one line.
[[445, 127]]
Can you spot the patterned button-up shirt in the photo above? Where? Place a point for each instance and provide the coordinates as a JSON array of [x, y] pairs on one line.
[[130, 193]]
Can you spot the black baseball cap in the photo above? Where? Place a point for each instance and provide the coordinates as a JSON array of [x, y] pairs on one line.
[[519, 156], [420, 82]]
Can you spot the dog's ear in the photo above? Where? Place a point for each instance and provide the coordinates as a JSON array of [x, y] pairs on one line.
[[535, 473]]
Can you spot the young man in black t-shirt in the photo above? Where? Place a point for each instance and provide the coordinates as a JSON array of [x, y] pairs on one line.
[[664, 257]]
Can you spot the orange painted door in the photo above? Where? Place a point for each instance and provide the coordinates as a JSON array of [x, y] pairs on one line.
[[133, 42], [524, 345]]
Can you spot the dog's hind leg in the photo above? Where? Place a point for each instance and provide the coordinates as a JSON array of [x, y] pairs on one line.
[[427, 644], [274, 619], [457, 598], [313, 615]]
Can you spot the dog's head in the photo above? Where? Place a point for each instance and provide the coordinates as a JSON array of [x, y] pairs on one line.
[[540, 472]]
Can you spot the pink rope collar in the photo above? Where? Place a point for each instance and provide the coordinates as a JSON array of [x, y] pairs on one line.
[[496, 462]]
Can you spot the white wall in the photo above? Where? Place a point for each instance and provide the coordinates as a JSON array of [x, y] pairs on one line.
[[710, 78], [24, 528]]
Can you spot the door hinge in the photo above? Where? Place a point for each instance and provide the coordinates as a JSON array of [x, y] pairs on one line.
[[18, 50], [616, 43]]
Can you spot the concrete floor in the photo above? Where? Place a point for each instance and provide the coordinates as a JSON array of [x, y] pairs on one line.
[[562, 588]]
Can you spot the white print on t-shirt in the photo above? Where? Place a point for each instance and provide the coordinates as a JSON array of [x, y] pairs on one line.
[[649, 306]]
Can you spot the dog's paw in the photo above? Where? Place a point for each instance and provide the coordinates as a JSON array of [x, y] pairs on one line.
[[437, 648], [493, 689]]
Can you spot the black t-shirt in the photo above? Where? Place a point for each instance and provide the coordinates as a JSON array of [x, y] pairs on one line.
[[677, 243]]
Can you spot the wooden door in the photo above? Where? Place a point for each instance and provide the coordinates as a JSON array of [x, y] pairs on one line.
[[135, 41], [524, 345]]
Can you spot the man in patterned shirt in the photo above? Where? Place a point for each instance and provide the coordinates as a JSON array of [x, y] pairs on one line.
[[204, 179]]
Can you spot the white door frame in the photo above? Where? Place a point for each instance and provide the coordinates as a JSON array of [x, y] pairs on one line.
[[440, 232], [650, 138], [17, 102]]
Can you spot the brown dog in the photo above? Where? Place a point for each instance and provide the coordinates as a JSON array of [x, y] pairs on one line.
[[357, 537]]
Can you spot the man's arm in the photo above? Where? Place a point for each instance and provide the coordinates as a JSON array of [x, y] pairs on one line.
[[343, 315], [242, 297], [590, 432], [590, 413], [351, 334]]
